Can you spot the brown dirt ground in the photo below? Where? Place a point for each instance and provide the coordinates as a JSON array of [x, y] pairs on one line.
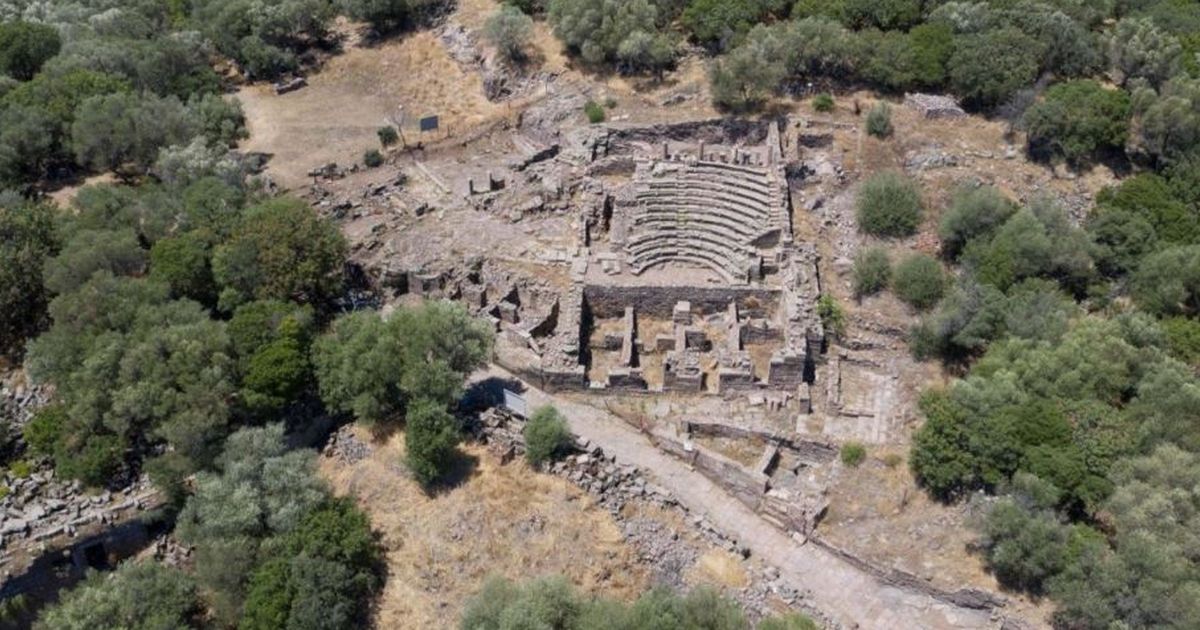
[[503, 519], [878, 511], [336, 116]]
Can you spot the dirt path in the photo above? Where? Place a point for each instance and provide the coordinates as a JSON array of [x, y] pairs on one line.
[[842, 591]]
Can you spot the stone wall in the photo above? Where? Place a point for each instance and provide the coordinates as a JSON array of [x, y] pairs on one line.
[[46, 518], [62, 565], [965, 597], [809, 450], [745, 485], [609, 301], [786, 370], [711, 131]]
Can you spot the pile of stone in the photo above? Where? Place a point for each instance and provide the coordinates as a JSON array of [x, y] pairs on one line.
[[171, 552], [19, 402], [933, 106], [39, 508], [928, 159], [611, 484], [289, 85], [329, 170], [346, 447]]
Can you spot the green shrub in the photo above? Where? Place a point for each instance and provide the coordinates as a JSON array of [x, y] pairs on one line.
[[431, 438], [44, 431], [1168, 282], [1183, 338], [872, 271], [1077, 120], [789, 621], [136, 595], [919, 281], [552, 602], [372, 158], [388, 135], [182, 263], [25, 46], [833, 318], [892, 460], [94, 462], [546, 435], [889, 205], [853, 454], [974, 212], [879, 121], [823, 102], [275, 375], [11, 608], [20, 469], [594, 111], [509, 29], [322, 577]]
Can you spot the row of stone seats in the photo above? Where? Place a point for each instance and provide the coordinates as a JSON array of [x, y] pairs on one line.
[[756, 201], [690, 238], [715, 202], [719, 224], [753, 178], [652, 246], [728, 271], [762, 191], [742, 169]]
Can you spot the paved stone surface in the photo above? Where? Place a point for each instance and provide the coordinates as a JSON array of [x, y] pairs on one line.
[[845, 593]]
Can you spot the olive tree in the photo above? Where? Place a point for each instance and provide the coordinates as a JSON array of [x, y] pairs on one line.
[[509, 30]]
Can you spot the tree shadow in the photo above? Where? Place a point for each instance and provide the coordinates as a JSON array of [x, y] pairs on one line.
[[488, 393], [462, 467], [382, 432]]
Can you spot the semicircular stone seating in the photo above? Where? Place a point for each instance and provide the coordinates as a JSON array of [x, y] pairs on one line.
[[701, 213]]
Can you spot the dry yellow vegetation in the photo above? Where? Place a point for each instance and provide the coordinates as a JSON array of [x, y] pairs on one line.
[[505, 519]]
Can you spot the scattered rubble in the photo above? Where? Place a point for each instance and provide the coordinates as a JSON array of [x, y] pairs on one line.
[[42, 515], [345, 446]]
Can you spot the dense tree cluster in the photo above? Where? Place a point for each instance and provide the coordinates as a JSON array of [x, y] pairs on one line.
[[995, 56], [413, 366], [179, 315], [137, 357], [272, 549], [626, 32], [553, 603], [1079, 407], [97, 87]]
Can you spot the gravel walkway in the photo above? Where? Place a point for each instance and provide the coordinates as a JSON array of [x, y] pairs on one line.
[[844, 592]]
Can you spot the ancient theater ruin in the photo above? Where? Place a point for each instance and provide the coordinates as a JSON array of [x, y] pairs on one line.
[[688, 278]]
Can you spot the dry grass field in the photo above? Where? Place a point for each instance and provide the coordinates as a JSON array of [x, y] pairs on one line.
[[506, 519]]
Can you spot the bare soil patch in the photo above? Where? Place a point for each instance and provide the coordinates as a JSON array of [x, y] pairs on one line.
[[334, 118]]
